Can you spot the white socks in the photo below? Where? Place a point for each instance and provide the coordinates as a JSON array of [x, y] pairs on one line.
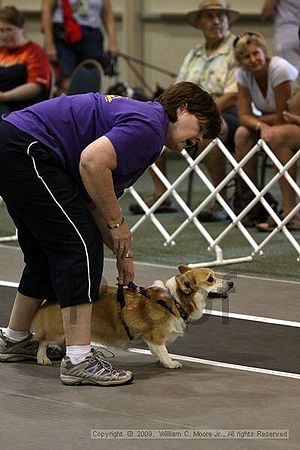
[[16, 336], [77, 353]]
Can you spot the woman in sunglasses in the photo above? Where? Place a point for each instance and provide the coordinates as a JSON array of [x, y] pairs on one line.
[[265, 82]]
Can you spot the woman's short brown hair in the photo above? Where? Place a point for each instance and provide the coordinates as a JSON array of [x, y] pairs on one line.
[[197, 101], [13, 16]]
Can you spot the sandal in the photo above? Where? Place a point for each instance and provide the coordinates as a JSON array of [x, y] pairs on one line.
[[270, 225]]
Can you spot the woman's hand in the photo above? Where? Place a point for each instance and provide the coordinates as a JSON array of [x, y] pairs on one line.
[[51, 51], [121, 240], [266, 131], [291, 118], [125, 270]]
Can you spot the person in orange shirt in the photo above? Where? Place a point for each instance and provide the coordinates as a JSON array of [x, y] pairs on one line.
[[24, 66]]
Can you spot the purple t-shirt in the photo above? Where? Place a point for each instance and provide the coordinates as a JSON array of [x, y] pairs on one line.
[[67, 124]]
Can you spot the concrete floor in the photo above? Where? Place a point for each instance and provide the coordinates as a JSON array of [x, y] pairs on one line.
[[240, 373]]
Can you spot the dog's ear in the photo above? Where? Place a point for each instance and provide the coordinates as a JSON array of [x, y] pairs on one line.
[[183, 268], [185, 284]]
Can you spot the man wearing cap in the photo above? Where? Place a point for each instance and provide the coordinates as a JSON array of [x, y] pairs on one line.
[[211, 65]]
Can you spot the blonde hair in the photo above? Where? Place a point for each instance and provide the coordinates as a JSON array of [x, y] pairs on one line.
[[242, 41]]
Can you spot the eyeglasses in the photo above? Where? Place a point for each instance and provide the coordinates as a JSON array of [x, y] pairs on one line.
[[247, 33]]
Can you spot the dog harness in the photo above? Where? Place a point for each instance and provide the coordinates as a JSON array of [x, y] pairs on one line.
[[143, 291], [181, 310], [122, 301]]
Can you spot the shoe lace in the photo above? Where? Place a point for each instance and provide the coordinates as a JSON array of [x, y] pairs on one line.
[[102, 352], [105, 366]]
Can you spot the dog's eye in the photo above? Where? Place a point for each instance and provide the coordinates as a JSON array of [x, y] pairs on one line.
[[210, 279]]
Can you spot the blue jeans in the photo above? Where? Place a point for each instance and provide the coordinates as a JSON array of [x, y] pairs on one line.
[[70, 55]]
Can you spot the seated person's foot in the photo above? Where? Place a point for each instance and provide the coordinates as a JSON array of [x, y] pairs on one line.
[[167, 206], [258, 213], [270, 224], [214, 213]]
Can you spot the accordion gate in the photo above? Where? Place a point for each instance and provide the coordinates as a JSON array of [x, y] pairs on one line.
[[191, 215], [235, 220]]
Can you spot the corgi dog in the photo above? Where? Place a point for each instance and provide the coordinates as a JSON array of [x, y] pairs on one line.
[[156, 315]]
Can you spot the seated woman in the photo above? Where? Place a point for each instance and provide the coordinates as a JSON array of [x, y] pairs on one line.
[[285, 142], [266, 82], [24, 66]]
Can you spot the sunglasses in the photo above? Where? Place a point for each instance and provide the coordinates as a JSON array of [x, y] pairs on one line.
[[247, 33]]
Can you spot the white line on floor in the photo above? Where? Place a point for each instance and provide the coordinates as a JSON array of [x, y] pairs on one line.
[[209, 362], [216, 313], [225, 365], [8, 283], [287, 323]]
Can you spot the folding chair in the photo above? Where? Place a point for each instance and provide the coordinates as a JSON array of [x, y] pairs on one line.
[[87, 77]]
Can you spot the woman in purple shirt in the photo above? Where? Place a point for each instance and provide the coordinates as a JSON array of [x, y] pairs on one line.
[[63, 165]]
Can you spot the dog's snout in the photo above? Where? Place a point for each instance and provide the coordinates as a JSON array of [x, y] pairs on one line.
[[230, 284]]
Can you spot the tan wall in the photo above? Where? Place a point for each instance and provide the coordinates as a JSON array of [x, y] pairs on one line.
[[155, 31], [167, 37]]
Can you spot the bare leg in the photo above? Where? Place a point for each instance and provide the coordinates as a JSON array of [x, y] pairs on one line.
[[161, 163], [288, 193], [216, 165], [215, 161], [245, 139], [284, 144], [23, 312], [77, 324]]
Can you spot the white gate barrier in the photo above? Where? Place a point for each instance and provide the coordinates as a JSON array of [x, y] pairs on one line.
[[191, 216]]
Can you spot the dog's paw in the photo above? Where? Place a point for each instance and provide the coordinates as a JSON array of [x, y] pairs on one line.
[[173, 364], [44, 361]]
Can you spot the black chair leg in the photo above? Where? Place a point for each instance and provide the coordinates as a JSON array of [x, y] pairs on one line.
[[190, 189], [263, 168], [193, 153]]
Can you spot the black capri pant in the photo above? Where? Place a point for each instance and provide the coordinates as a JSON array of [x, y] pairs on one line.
[[62, 245]]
